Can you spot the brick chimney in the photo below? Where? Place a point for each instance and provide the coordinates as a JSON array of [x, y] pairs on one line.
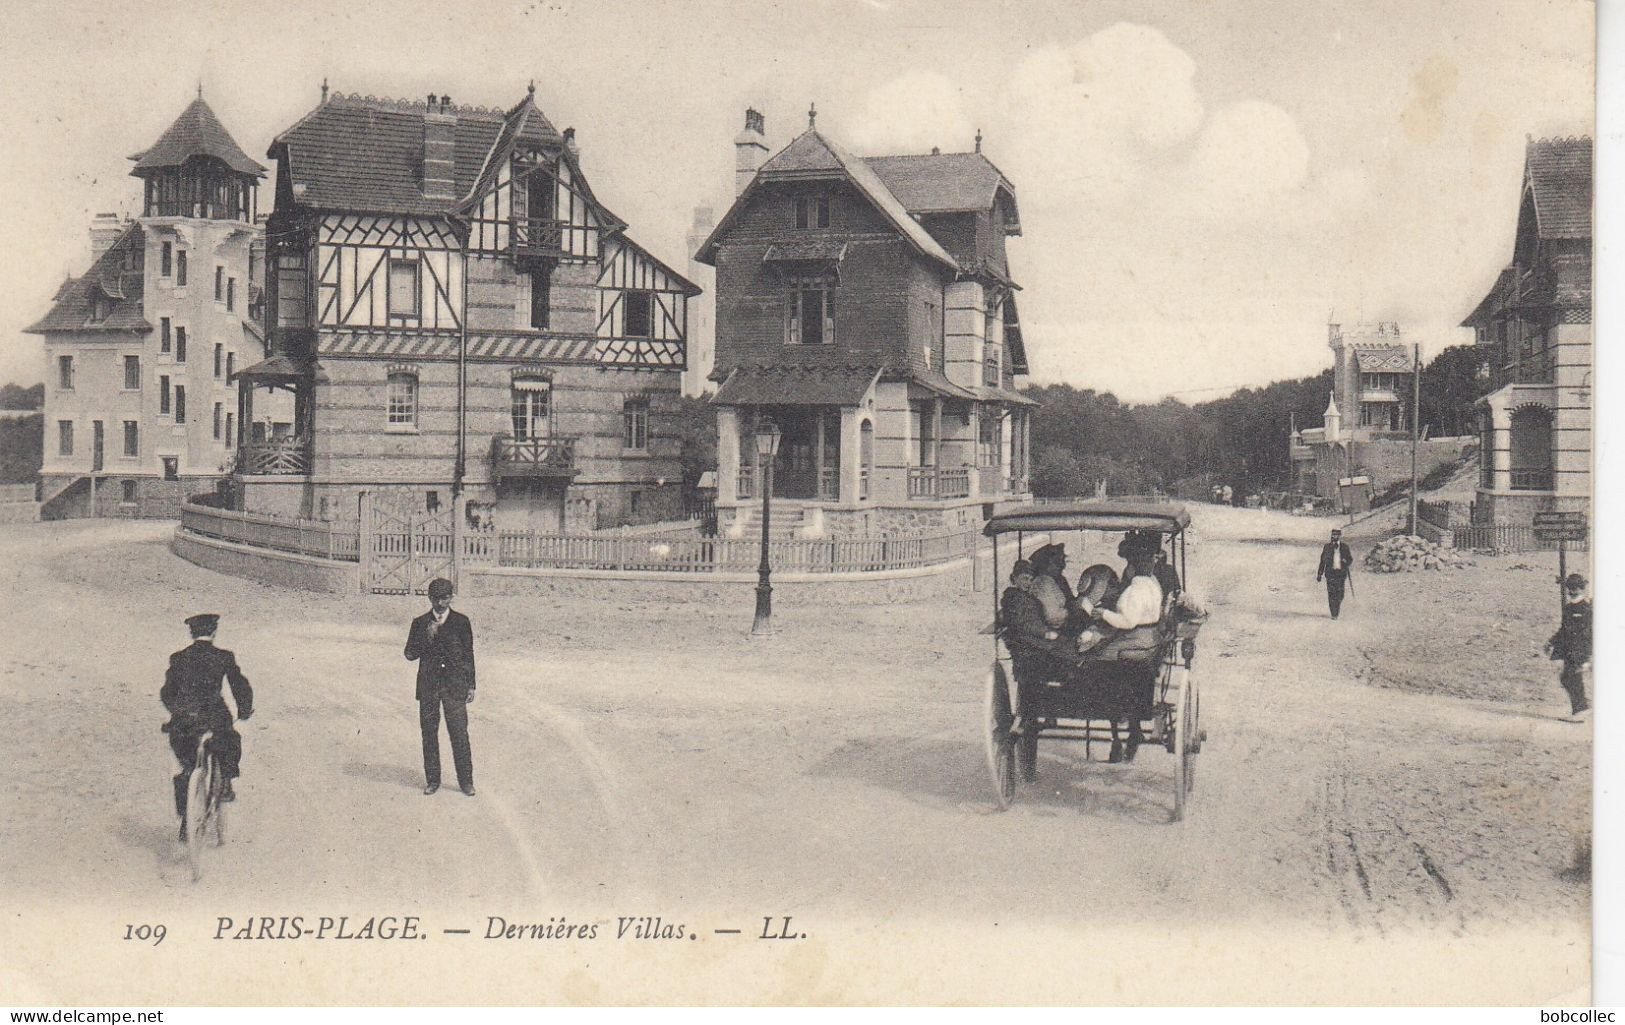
[[750, 149], [571, 144], [104, 231], [440, 149]]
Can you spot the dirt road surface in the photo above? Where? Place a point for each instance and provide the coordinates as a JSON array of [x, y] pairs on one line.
[[1388, 808]]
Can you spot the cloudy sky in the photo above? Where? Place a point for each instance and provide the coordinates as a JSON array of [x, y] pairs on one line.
[[1202, 184]]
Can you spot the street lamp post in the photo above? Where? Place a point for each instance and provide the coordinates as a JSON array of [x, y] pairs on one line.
[[767, 446]]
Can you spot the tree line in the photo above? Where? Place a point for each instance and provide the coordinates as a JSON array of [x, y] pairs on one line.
[[1081, 436]]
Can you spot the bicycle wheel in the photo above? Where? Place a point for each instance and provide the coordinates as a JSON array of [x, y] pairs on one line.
[[197, 813], [217, 807]]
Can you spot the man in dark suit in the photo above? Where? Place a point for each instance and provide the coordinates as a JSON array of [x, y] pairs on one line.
[[191, 693], [441, 642], [1572, 643], [1335, 565]]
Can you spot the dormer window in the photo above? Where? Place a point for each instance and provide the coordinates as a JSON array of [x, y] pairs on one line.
[[98, 310], [812, 211]]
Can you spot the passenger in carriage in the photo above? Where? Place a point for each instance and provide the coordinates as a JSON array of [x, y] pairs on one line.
[[1139, 604], [1037, 649], [1050, 587]]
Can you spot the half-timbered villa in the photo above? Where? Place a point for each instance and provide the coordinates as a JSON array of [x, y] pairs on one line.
[[865, 306], [456, 312], [139, 411], [1534, 332]]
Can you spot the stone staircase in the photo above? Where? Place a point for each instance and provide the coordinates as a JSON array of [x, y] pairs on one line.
[[788, 520], [50, 505]]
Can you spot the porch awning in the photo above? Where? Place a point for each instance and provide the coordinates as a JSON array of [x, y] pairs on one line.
[[796, 386], [805, 252], [926, 384], [1009, 398], [280, 368]]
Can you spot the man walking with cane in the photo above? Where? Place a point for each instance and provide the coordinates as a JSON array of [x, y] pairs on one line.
[[441, 642], [1335, 564]]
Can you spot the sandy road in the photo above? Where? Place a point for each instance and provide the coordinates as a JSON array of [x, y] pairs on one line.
[[645, 759]]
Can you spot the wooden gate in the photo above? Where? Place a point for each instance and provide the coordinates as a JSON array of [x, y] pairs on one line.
[[403, 551]]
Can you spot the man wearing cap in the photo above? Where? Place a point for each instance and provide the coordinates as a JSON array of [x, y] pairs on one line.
[[1572, 643], [1335, 564], [441, 642], [191, 693]]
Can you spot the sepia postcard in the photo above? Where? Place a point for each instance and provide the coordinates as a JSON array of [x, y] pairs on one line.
[[826, 502]]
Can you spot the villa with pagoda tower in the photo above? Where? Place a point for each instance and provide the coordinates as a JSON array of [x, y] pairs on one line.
[[454, 312], [139, 410], [865, 307]]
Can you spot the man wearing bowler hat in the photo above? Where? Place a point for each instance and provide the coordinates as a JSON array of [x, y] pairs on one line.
[[441, 642], [191, 693]]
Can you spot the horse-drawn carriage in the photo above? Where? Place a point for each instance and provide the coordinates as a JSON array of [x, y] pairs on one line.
[[1139, 682]]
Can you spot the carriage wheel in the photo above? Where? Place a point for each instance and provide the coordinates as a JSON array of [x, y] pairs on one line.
[[1198, 733], [1183, 718], [1027, 753], [1193, 730], [1001, 755], [197, 804]]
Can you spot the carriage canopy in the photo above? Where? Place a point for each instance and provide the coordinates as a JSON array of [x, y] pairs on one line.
[[1164, 518]]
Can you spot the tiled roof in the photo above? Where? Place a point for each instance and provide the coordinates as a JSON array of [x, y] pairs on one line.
[[777, 385], [363, 153], [122, 289], [805, 252], [1493, 300], [1558, 172], [811, 155], [197, 132], [941, 182]]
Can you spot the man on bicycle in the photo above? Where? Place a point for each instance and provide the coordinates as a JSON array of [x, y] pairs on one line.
[[192, 694]]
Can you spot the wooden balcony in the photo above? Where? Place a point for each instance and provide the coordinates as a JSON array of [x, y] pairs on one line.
[[534, 457], [930, 482], [537, 236], [278, 456]]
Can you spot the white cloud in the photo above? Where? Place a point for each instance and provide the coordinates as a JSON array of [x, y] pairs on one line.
[[1249, 155], [911, 114]]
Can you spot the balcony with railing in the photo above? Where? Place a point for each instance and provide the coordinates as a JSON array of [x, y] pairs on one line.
[[274, 456], [538, 236], [931, 482], [1535, 368], [534, 457], [1532, 479]]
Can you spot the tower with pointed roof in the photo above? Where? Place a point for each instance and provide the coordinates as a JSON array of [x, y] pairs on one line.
[[865, 306], [140, 408]]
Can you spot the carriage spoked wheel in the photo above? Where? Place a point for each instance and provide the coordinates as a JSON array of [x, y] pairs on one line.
[[1186, 743], [1001, 745]]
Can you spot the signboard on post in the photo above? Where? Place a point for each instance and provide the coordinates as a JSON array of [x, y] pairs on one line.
[[1560, 526]]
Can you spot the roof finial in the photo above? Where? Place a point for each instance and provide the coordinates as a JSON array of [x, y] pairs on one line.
[[200, 88], [812, 115], [532, 89], [978, 140], [324, 88]]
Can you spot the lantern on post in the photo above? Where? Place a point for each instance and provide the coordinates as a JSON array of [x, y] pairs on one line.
[[767, 447]]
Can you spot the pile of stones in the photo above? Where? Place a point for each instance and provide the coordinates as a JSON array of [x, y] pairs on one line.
[[1407, 553]]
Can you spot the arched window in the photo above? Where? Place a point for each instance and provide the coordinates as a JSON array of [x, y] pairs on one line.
[[1531, 448], [403, 399], [866, 457]]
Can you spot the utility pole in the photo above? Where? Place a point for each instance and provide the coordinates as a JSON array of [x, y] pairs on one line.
[[1416, 419]]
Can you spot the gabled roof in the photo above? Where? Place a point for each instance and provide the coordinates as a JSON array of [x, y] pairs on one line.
[[1493, 300], [780, 385], [942, 182], [365, 153], [107, 279], [1558, 173], [811, 156], [197, 132]]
